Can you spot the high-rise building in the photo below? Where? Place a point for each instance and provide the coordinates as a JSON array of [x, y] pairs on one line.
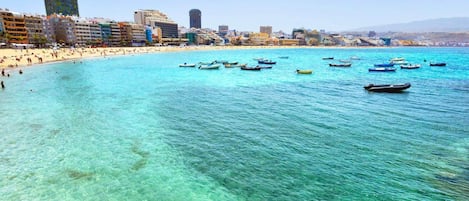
[[266, 29], [154, 19], [222, 30], [64, 7], [195, 18]]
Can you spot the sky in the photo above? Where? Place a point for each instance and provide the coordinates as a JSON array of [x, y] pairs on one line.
[[244, 15]]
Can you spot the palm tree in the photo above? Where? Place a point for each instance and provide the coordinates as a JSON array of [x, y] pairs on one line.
[[4, 36], [42, 41]]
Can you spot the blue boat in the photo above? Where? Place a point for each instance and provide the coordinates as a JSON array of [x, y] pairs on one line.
[[382, 69], [384, 65]]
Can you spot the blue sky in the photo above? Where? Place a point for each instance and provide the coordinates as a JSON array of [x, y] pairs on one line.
[[243, 15]]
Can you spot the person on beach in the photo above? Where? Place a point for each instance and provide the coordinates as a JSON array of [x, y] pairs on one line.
[[3, 72]]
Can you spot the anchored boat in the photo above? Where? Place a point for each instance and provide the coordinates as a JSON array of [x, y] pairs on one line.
[[390, 88]]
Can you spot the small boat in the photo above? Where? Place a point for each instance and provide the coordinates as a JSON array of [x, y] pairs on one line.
[[220, 61], [437, 64], [266, 62], [390, 88], [227, 65], [304, 71], [410, 66], [397, 59], [250, 68], [206, 63], [186, 65], [283, 57], [328, 58], [345, 61], [341, 65], [399, 62], [382, 69], [232, 63], [384, 65], [209, 67]]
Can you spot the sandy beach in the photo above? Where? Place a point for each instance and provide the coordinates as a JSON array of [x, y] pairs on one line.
[[20, 58], [15, 59]]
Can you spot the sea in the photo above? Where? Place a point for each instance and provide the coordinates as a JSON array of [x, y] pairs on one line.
[[139, 127]]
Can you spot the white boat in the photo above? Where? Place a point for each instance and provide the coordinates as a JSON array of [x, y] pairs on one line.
[[400, 62], [397, 59], [186, 65], [209, 67], [410, 66]]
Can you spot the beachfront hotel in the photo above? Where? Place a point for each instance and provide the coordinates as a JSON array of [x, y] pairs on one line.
[[157, 19], [64, 7]]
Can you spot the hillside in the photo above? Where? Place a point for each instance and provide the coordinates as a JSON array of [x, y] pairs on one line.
[[460, 24]]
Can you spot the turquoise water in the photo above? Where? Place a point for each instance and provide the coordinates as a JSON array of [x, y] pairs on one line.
[[141, 128]]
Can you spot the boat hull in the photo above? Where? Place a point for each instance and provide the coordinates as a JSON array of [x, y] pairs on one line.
[[211, 67], [384, 65], [304, 71], [251, 68], [340, 65], [382, 69], [437, 64], [410, 66], [186, 65], [388, 88]]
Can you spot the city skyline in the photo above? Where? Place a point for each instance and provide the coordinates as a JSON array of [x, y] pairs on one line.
[[331, 15]]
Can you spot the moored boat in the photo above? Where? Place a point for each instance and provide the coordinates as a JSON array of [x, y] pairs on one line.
[[410, 66], [206, 63], [384, 65], [227, 65], [232, 63], [382, 69], [437, 64], [283, 57], [399, 62], [250, 68], [266, 62], [305, 71], [341, 65], [390, 88], [209, 67], [220, 61], [328, 58], [186, 65], [397, 59]]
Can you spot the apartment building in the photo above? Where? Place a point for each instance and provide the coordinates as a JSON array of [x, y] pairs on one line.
[[14, 26]]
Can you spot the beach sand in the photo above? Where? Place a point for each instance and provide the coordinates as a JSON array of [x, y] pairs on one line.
[[15, 59], [11, 59]]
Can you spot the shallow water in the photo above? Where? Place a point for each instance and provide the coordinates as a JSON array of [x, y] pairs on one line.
[[141, 128]]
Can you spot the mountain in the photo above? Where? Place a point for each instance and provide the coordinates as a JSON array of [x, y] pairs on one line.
[[457, 24]]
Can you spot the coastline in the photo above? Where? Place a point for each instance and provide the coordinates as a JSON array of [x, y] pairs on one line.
[[20, 58]]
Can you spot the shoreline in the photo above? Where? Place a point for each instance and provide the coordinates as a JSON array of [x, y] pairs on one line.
[[22, 58]]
